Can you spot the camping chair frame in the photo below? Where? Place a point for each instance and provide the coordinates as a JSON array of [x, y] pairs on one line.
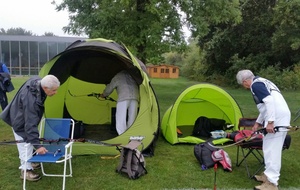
[[256, 151], [248, 149], [63, 153], [255, 148]]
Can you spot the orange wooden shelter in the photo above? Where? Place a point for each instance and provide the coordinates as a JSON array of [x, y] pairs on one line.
[[163, 71]]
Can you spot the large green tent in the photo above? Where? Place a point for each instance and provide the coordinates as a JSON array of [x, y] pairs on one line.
[[84, 69], [202, 99]]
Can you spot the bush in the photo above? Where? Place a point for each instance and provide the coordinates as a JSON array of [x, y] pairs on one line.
[[194, 67], [285, 79]]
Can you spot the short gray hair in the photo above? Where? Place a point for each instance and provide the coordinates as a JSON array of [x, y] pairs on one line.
[[243, 75], [50, 81]]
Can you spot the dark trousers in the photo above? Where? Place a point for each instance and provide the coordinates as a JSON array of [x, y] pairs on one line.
[[3, 99]]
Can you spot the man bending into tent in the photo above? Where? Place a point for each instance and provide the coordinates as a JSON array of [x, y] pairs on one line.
[[128, 99], [24, 114]]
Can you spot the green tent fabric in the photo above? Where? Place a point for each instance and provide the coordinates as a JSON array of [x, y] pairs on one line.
[[84, 69], [202, 99]]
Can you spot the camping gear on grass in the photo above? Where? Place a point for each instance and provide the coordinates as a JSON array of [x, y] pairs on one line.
[[84, 68], [208, 155]]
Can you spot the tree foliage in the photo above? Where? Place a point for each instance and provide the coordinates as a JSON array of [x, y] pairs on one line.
[[194, 66], [16, 31], [251, 37], [149, 28], [201, 14], [49, 34], [286, 38], [268, 36]]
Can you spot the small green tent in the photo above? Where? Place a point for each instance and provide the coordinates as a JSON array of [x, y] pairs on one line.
[[84, 69], [202, 99]]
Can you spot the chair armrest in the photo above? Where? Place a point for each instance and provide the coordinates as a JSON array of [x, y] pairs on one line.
[[69, 144]]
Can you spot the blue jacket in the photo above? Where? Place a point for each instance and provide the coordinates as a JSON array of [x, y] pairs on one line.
[[5, 80], [3, 68]]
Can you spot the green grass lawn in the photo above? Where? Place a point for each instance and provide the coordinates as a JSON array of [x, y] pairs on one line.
[[171, 167]]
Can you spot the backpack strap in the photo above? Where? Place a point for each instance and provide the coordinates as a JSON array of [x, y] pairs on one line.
[[133, 152], [122, 157], [129, 160], [140, 161], [209, 147]]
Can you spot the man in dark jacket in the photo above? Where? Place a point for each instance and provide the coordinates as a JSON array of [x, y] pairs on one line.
[[24, 114]]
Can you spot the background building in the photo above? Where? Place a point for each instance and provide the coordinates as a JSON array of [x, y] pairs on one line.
[[26, 55], [163, 71]]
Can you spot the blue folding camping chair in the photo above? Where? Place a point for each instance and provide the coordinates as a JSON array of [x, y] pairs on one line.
[[57, 135]]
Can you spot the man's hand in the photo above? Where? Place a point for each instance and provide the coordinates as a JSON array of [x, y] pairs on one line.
[[270, 128], [255, 126], [41, 150]]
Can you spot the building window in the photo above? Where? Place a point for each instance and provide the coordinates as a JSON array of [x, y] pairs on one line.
[[167, 70], [174, 70], [162, 70], [26, 57], [155, 70]]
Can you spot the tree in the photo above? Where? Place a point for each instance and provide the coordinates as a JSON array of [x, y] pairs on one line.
[[249, 40], [49, 34], [194, 66], [286, 38], [16, 31], [202, 14], [173, 58], [149, 28]]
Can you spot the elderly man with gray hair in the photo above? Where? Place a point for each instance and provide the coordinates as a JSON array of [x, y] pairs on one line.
[[273, 111], [24, 114]]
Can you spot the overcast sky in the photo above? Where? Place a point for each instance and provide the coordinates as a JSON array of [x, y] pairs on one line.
[[37, 16]]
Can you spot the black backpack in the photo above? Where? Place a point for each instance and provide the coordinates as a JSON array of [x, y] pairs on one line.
[[203, 126], [132, 161], [203, 152], [79, 130]]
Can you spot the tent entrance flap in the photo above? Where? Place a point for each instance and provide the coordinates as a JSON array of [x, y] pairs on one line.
[[88, 109]]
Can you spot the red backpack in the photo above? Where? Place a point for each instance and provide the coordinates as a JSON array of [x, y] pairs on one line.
[[223, 158], [243, 136]]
